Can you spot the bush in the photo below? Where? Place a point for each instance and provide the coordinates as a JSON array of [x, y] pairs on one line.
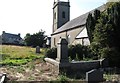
[[71, 52], [75, 52], [112, 55], [87, 52], [51, 53], [79, 52]]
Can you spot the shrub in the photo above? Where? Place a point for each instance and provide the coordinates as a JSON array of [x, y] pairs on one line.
[[87, 52], [112, 55], [79, 51], [71, 52], [51, 53]]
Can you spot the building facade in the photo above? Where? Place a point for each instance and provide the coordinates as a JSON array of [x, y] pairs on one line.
[[75, 30]]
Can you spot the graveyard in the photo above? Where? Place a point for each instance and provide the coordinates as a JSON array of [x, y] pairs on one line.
[[27, 65]]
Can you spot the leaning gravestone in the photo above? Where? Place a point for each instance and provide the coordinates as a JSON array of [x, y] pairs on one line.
[[94, 76], [37, 49]]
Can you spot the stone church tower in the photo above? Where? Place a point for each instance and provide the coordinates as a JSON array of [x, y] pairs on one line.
[[61, 13]]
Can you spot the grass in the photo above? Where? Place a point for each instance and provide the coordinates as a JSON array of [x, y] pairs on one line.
[[18, 55], [113, 74]]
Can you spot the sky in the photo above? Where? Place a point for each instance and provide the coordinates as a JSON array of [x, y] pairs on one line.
[[30, 16]]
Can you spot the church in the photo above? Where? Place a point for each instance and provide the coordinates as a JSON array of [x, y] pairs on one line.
[[75, 30]]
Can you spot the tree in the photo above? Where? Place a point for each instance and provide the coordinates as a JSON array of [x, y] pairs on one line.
[[37, 39], [107, 33], [90, 24], [104, 33]]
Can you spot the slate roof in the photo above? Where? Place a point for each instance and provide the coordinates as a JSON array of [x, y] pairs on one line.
[[9, 35], [77, 22]]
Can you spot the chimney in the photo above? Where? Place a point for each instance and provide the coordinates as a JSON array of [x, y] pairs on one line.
[[18, 34], [3, 32]]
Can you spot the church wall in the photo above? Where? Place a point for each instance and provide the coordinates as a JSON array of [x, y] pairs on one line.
[[69, 35], [55, 38], [73, 33], [84, 42]]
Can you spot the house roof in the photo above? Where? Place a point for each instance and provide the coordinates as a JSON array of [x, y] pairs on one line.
[[77, 22], [9, 35]]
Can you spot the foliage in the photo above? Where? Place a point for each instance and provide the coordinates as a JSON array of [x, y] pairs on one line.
[[79, 52], [90, 23], [75, 52], [18, 55], [51, 53], [37, 39], [105, 33], [71, 52], [63, 78]]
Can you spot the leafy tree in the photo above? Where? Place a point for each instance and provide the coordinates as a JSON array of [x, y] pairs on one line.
[[106, 33], [37, 39], [90, 24]]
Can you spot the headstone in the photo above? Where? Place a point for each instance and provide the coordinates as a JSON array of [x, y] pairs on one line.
[[37, 49], [95, 75], [62, 56], [104, 63], [62, 50]]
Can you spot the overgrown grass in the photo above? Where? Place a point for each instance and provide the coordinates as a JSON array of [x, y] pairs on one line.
[[18, 55]]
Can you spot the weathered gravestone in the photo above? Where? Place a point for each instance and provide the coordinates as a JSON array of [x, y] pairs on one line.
[[37, 49], [95, 75], [62, 51], [62, 56]]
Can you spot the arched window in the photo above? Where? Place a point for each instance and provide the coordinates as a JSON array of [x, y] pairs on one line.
[[63, 14], [54, 15]]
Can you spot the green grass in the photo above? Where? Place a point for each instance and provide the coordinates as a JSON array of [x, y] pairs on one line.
[[18, 55]]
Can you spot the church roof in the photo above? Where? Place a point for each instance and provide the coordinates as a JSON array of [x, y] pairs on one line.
[[77, 22]]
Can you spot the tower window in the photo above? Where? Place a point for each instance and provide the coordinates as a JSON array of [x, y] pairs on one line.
[[63, 14], [54, 15]]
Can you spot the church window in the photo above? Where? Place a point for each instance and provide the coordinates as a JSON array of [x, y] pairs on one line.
[[54, 41], [54, 15], [63, 14]]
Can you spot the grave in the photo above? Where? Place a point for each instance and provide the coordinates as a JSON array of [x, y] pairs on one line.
[[75, 67], [95, 75], [37, 49]]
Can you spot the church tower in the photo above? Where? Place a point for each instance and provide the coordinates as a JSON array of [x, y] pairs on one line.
[[61, 13]]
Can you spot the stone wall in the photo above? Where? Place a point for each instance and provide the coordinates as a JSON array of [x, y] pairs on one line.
[[74, 68], [85, 65]]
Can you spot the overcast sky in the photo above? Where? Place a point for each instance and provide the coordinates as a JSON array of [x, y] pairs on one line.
[[30, 16]]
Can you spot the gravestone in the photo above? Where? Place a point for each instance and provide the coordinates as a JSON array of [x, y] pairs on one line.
[[62, 56], [95, 75], [104, 63], [37, 49], [62, 51]]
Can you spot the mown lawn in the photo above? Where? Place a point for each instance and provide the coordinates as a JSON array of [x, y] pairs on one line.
[[18, 55]]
